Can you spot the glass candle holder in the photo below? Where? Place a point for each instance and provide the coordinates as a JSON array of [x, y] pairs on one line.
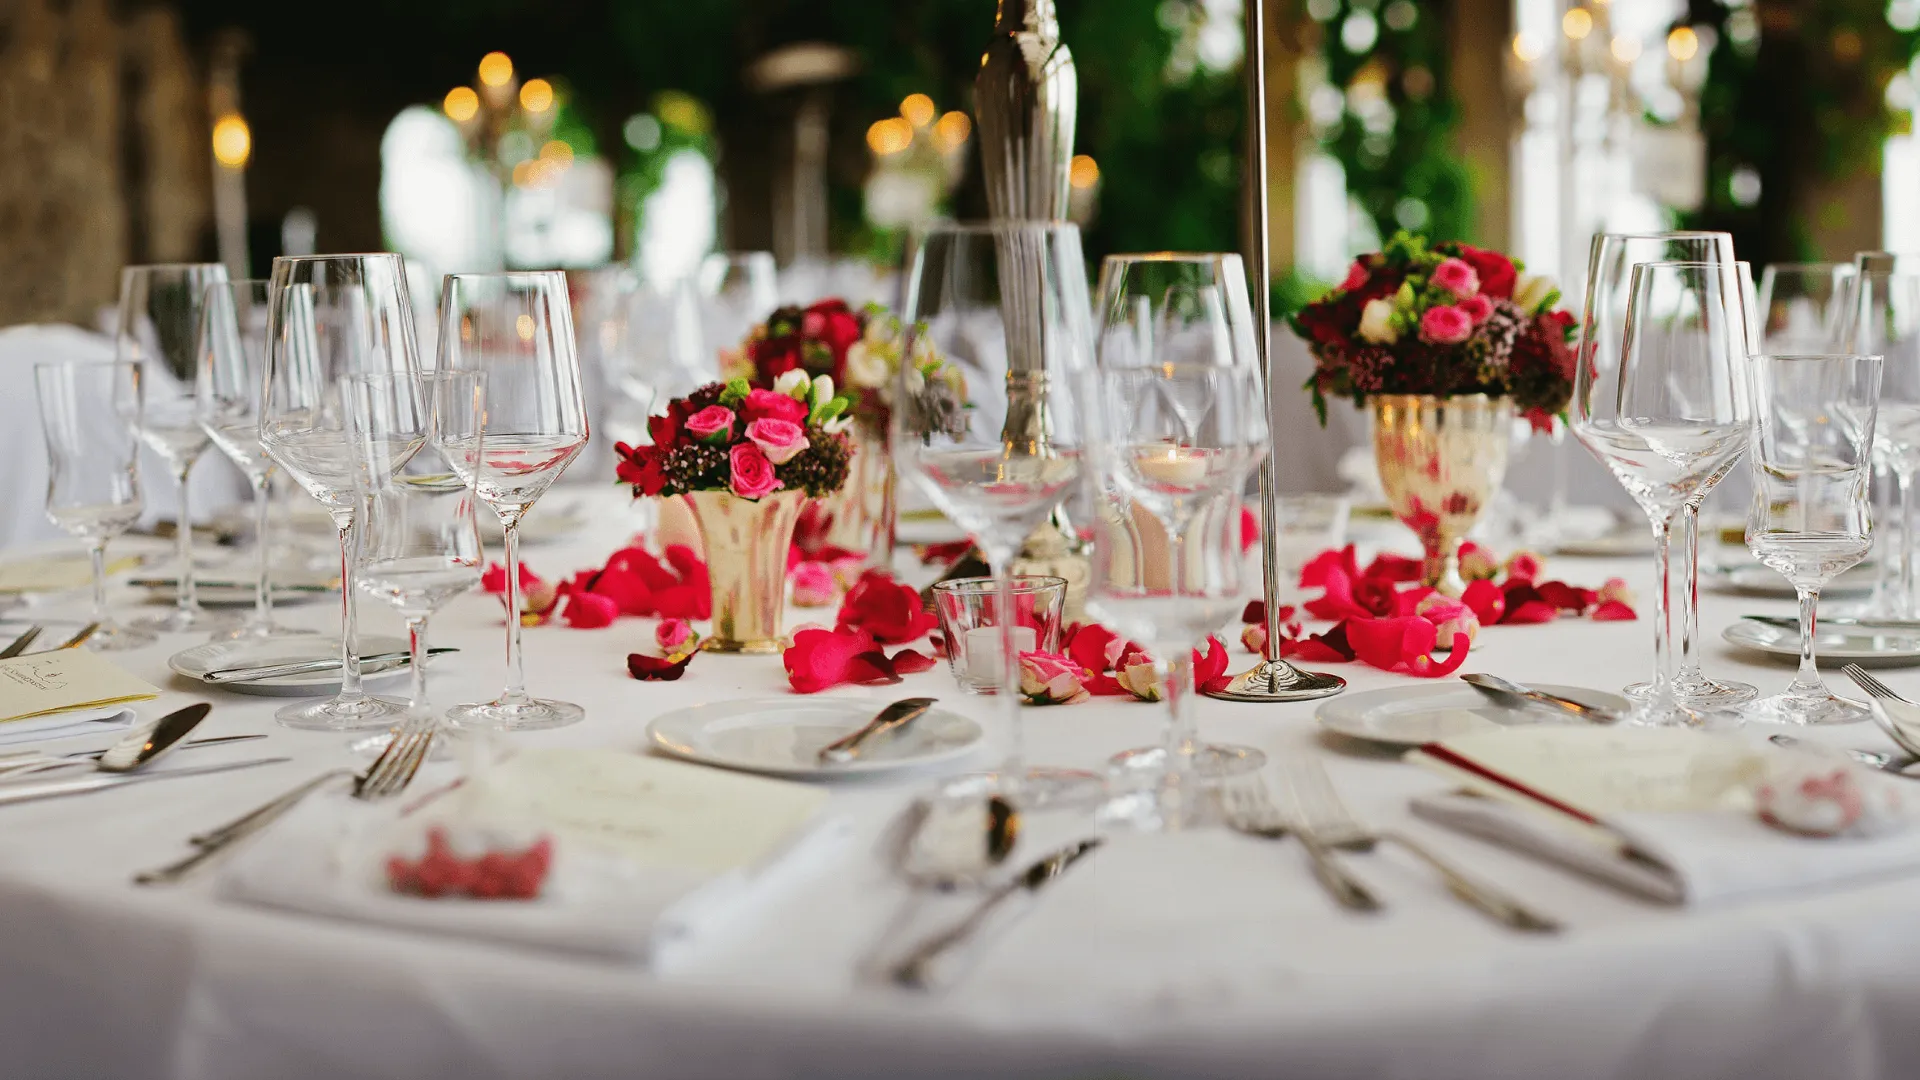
[[970, 621]]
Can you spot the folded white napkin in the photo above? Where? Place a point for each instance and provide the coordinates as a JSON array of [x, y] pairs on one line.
[[105, 719], [1703, 857], [328, 857]]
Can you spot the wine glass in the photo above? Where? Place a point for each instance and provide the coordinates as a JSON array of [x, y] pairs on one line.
[[517, 330], [331, 316], [158, 326], [736, 291], [90, 412], [419, 542], [1177, 441], [232, 372], [1669, 418], [1799, 305], [1812, 464], [1881, 316], [985, 425], [1609, 278]]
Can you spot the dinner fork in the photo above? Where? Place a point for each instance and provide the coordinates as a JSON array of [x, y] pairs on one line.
[[1883, 717], [20, 643], [1251, 811], [1325, 816], [389, 775]]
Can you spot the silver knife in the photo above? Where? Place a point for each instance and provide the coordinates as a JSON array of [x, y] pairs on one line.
[[1792, 622], [914, 971], [893, 717], [218, 583], [305, 667], [15, 793]]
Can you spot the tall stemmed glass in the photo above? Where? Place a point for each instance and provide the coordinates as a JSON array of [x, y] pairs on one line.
[[1882, 317], [517, 330], [419, 543], [1669, 417], [158, 326], [1177, 441], [232, 374], [1800, 305], [89, 413], [1609, 278], [987, 427], [1811, 517], [331, 316]]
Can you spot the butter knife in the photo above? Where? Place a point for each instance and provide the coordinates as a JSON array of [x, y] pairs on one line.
[[916, 969], [15, 793], [1792, 622], [305, 667], [892, 718]]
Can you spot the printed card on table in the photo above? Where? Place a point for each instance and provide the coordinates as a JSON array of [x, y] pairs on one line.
[[63, 679]]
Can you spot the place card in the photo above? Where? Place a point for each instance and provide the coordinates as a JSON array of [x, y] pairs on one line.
[[648, 810], [56, 573], [64, 679]]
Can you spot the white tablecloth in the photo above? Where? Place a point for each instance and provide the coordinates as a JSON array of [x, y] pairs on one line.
[[1199, 954]]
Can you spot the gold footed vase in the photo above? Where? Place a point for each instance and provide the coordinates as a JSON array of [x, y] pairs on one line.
[[1440, 461], [745, 541], [859, 517]]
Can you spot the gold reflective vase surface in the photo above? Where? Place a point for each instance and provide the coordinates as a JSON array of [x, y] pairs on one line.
[[745, 541], [1440, 461]]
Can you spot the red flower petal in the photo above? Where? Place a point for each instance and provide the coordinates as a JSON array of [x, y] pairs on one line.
[[1314, 573], [892, 612], [656, 668], [1210, 669], [819, 659], [1564, 596], [1332, 647], [1613, 611], [1390, 567], [1486, 599], [1428, 668], [1249, 529], [625, 588], [587, 611], [909, 662], [1094, 647], [1533, 611]]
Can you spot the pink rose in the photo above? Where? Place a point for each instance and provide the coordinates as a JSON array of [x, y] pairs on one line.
[[1051, 679], [780, 440], [1477, 308], [672, 634], [1477, 563], [712, 424], [1136, 676], [752, 472], [813, 585], [1457, 276], [1615, 591], [1356, 276], [1524, 566], [774, 405], [1450, 617], [1445, 325]]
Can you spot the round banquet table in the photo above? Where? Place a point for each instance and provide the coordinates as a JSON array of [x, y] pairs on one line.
[[1198, 954]]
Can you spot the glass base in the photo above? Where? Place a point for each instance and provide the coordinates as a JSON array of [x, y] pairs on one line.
[[1036, 788], [364, 713], [186, 621], [1211, 761], [1694, 689], [1807, 709], [1150, 797], [1677, 714], [113, 636], [533, 714], [372, 746]]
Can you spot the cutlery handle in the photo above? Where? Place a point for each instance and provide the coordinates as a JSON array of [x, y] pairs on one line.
[[1496, 903], [915, 969], [270, 810], [205, 853], [1348, 890]]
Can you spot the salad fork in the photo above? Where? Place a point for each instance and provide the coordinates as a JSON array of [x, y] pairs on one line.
[[1249, 810]]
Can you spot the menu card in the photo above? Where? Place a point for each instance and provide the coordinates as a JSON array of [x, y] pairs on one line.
[[64, 679], [651, 811], [56, 573]]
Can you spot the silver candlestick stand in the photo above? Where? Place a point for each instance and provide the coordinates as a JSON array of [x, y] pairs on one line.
[[1273, 679]]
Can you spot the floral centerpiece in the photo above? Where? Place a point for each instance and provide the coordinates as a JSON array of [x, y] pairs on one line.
[[746, 458], [1446, 343]]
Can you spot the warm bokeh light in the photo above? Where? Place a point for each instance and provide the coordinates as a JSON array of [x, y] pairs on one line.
[[536, 95], [557, 152], [890, 136], [524, 327], [495, 69], [1577, 23], [1528, 48], [1683, 44], [952, 130], [232, 141], [917, 109], [1626, 49], [461, 105], [1084, 172]]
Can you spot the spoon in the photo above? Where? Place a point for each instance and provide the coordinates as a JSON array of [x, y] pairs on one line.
[[1515, 696], [137, 747], [892, 718]]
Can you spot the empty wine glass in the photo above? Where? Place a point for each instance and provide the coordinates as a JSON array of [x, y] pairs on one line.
[[1812, 463], [332, 316], [158, 326], [1669, 417], [986, 424], [89, 412], [1799, 305], [232, 373], [1881, 317], [517, 330], [1176, 441], [1609, 279], [736, 291], [419, 542]]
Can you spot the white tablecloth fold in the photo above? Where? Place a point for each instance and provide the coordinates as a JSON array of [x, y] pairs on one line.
[[106, 720], [328, 857], [1684, 858]]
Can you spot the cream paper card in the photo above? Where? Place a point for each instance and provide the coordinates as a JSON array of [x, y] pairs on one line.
[[64, 679], [651, 811], [1612, 770], [56, 573]]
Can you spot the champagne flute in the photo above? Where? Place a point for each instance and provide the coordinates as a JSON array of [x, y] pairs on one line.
[[158, 326], [89, 412], [1669, 418], [331, 316], [985, 425], [517, 330], [232, 372], [1609, 278], [1812, 464], [419, 542]]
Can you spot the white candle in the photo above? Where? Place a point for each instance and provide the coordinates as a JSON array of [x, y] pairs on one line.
[[1171, 464], [983, 651]]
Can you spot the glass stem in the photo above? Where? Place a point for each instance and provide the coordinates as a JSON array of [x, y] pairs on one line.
[[1662, 691], [262, 521], [1014, 768], [349, 612], [1807, 680], [1689, 582], [417, 653], [1903, 603], [516, 691], [97, 551], [183, 592], [1183, 734]]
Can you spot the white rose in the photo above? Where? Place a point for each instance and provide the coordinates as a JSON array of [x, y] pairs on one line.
[[1376, 322], [1532, 291], [822, 390], [866, 367], [792, 383]]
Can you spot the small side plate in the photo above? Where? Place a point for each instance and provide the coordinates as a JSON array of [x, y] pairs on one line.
[[1752, 579], [1417, 715], [194, 663], [783, 737], [1832, 644]]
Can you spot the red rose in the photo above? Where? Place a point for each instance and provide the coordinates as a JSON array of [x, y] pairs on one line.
[[774, 357], [893, 613], [774, 405], [1496, 271], [833, 324]]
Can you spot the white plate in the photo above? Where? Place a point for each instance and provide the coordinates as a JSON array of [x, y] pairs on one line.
[[194, 663], [1836, 644], [1752, 579], [783, 736], [1417, 715], [239, 596], [1614, 545]]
